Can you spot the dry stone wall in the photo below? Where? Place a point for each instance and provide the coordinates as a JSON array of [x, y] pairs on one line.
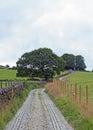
[[8, 93]]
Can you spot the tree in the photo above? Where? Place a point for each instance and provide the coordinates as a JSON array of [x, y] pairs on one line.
[[41, 63], [62, 63], [7, 66], [70, 61], [74, 62], [13, 67], [80, 65]]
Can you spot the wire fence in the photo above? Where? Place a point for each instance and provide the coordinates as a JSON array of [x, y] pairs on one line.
[[6, 83], [77, 94]]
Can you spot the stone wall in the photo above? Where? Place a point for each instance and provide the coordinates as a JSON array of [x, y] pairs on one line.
[[8, 93]]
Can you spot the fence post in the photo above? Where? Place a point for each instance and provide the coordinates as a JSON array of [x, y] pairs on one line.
[[68, 90], [6, 83], [75, 92], [71, 94], [1, 84], [12, 92], [87, 94], [65, 85], [80, 94]]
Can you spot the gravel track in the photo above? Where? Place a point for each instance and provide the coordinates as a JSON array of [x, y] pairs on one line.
[[38, 113]]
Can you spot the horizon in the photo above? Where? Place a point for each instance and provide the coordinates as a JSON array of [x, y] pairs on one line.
[[14, 65]]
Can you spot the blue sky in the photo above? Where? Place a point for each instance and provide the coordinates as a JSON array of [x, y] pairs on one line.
[[65, 26]]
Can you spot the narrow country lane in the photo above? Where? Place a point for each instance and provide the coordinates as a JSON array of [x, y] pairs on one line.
[[38, 113]]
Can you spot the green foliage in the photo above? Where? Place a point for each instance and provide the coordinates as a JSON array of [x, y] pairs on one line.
[[80, 65], [70, 61], [41, 63], [74, 62]]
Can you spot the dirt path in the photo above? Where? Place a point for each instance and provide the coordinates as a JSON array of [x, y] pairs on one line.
[[38, 113]]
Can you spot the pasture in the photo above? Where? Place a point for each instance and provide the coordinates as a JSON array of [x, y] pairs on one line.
[[9, 74], [8, 77], [83, 79]]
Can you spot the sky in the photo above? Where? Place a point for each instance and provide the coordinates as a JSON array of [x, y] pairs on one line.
[[65, 26]]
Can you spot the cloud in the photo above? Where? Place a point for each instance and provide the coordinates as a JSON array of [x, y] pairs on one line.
[[64, 26]]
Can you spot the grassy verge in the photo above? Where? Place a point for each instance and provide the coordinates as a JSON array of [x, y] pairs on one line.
[[9, 111], [72, 114]]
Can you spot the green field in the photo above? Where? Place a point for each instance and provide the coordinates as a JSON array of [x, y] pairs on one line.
[[8, 74], [83, 79]]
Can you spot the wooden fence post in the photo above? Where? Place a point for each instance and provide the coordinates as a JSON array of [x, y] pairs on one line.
[[75, 92], [71, 94], [65, 85], [80, 94], [1, 84], [86, 94], [5, 83], [68, 93]]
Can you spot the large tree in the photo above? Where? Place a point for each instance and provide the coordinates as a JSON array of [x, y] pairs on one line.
[[70, 61], [74, 62], [40, 63], [80, 64]]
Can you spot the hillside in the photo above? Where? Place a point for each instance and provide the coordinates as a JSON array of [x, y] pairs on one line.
[[82, 78]]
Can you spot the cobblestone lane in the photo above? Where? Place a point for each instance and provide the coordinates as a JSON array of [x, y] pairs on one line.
[[38, 113]]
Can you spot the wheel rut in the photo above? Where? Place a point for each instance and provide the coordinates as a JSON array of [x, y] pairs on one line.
[[38, 113]]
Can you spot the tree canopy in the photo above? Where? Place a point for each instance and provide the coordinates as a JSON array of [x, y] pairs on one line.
[[80, 65], [74, 62], [41, 63], [70, 61], [45, 64]]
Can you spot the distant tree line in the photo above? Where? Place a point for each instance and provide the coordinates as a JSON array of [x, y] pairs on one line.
[[4, 67], [8, 67], [74, 62], [44, 63]]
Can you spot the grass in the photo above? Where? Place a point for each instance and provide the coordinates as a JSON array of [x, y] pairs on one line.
[[83, 79], [9, 74], [7, 113], [76, 117], [73, 115]]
